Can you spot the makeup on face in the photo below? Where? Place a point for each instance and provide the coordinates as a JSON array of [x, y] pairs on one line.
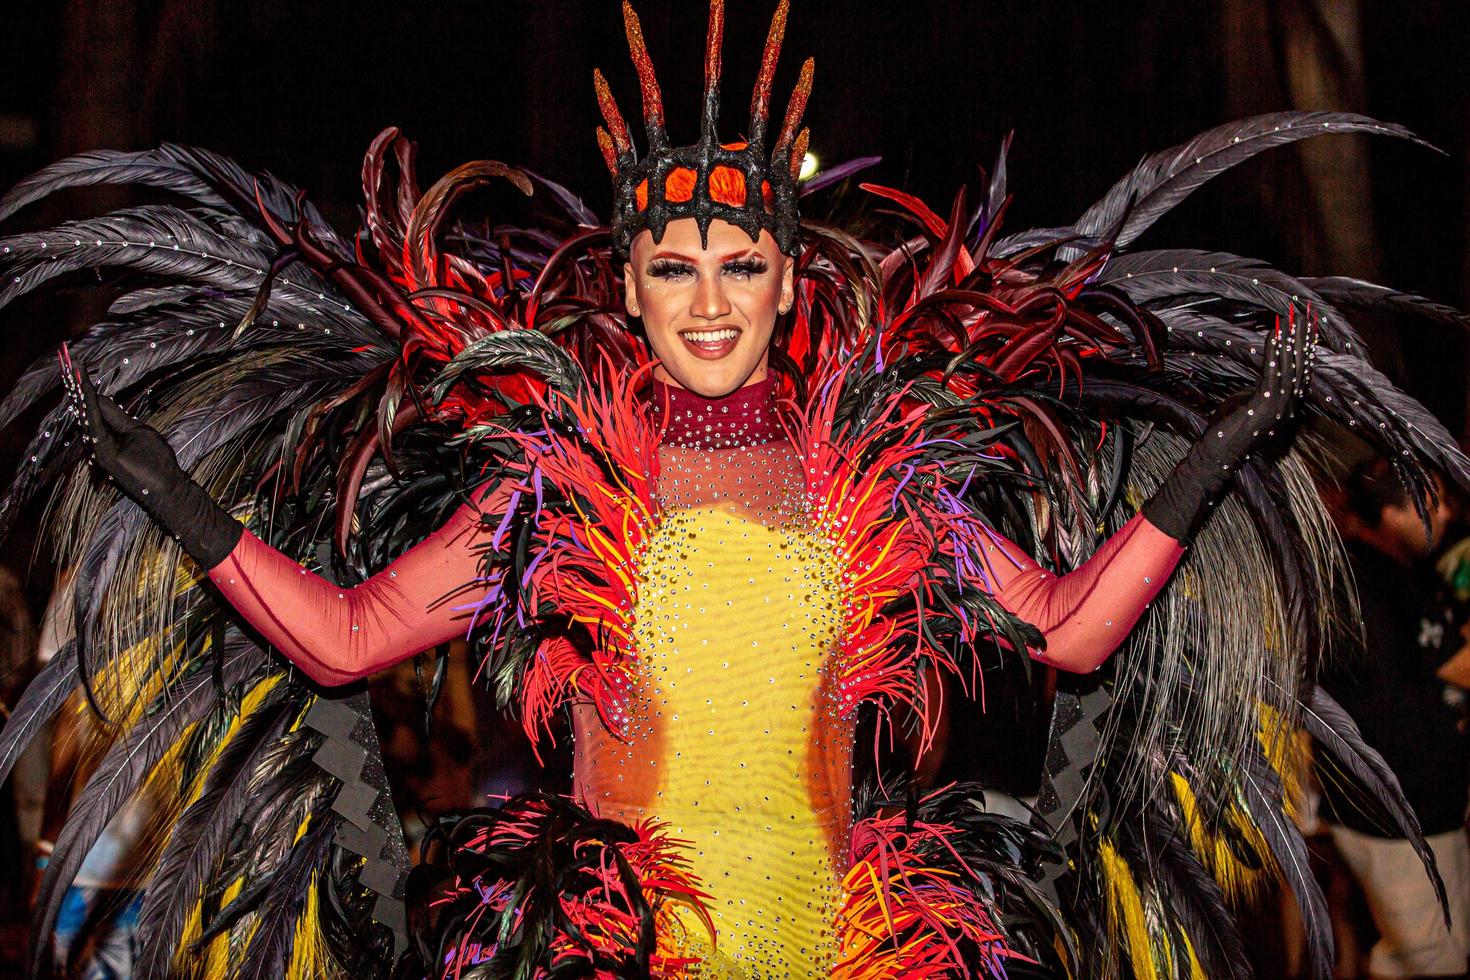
[[708, 310]]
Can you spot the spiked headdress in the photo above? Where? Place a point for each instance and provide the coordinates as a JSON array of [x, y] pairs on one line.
[[642, 192]]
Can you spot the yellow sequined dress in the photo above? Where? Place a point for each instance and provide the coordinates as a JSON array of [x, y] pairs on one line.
[[734, 739]]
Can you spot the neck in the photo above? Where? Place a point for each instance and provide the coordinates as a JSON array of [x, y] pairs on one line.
[[745, 417]]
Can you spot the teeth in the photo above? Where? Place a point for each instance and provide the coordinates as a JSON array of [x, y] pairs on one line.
[[711, 336]]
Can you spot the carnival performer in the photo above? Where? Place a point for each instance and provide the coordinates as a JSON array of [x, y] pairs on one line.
[[699, 487]]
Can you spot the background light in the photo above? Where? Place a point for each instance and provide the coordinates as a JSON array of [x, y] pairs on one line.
[[808, 166]]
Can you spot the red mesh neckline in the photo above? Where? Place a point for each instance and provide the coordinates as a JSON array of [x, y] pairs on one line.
[[745, 417]]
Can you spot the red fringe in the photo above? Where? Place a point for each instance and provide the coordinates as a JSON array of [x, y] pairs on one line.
[[587, 561], [602, 919], [907, 914], [892, 543]]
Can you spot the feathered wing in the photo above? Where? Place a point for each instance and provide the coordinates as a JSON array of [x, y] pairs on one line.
[[1065, 375], [294, 373]]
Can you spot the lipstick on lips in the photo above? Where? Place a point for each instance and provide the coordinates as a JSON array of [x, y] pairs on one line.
[[711, 343]]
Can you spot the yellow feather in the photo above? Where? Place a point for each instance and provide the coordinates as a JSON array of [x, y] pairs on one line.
[[1196, 971], [301, 830], [174, 799], [217, 954], [1125, 911], [248, 706], [309, 956], [1238, 881], [1286, 750], [306, 704]]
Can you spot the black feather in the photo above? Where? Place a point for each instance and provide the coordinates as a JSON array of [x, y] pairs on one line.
[[118, 776], [1361, 294], [201, 175], [1161, 180], [512, 350], [1148, 278], [149, 168], [200, 836], [40, 701], [1191, 893], [156, 239], [274, 931], [1262, 796], [1337, 734]]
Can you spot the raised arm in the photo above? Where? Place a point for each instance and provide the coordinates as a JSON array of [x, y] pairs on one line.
[[1086, 614], [336, 635], [333, 634]]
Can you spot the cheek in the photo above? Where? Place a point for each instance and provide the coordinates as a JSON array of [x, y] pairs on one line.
[[657, 306], [760, 302]]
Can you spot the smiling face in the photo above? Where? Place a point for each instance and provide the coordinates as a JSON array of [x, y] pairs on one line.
[[708, 312]]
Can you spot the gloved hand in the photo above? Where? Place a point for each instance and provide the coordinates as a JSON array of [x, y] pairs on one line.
[[1202, 475], [144, 468]]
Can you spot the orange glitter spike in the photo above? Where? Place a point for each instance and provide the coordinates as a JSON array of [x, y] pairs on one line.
[[616, 128], [760, 100], [609, 152], [797, 106], [714, 44], [798, 151], [653, 104]]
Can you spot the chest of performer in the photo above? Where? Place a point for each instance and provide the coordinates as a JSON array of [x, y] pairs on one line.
[[734, 739]]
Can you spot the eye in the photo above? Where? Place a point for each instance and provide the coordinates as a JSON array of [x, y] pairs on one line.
[[669, 269], [745, 268]]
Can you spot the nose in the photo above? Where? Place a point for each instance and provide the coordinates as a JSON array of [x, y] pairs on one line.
[[710, 301]]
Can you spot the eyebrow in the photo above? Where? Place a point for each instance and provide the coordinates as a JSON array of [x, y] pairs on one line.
[[746, 252]]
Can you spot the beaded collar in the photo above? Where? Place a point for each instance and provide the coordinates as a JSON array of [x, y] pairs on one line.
[[745, 417]]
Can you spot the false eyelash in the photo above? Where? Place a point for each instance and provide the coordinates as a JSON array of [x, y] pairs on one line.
[[751, 266], [662, 268]]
